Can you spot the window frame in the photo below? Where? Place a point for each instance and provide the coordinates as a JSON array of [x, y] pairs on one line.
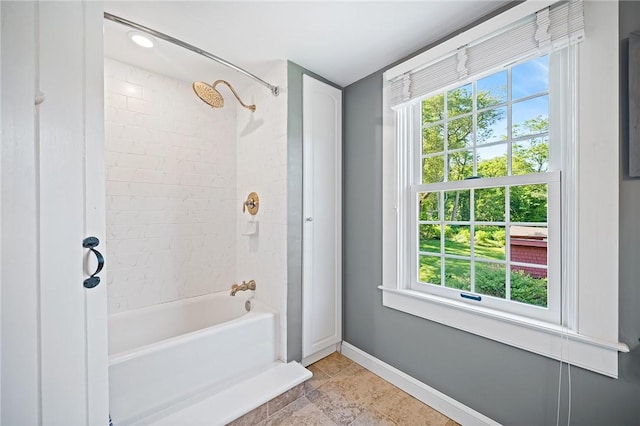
[[589, 336], [552, 312], [414, 157]]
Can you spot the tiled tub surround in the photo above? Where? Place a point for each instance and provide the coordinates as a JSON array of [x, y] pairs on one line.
[[165, 356], [171, 190], [262, 167], [342, 392]]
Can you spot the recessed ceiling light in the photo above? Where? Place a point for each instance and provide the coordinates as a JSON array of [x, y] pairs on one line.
[[141, 39]]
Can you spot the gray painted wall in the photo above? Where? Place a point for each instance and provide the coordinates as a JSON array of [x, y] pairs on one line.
[[507, 384], [294, 207]]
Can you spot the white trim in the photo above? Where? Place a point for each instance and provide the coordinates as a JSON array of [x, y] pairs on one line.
[[534, 336], [224, 406], [317, 356], [0, 219], [435, 399], [489, 182], [20, 347], [479, 31]]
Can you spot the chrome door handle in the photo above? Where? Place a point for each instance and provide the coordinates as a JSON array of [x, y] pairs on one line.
[[309, 219]]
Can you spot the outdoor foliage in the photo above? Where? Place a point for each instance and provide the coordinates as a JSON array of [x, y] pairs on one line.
[[527, 203]]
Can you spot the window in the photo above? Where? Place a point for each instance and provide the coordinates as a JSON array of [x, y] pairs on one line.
[[483, 194], [500, 182]]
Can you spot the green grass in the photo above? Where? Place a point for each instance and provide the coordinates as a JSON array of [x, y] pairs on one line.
[[463, 249], [490, 278]]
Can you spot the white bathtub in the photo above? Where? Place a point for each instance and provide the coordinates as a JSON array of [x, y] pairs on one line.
[[162, 355]]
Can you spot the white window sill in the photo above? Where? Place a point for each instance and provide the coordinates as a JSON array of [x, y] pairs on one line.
[[534, 336]]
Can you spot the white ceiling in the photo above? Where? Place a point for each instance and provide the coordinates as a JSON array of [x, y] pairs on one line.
[[342, 41]]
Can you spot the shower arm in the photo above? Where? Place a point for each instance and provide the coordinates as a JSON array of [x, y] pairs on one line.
[[108, 16], [215, 83]]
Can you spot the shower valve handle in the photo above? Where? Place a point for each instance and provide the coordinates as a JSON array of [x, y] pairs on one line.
[[252, 204]]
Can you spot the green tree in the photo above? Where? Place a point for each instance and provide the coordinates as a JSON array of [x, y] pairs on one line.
[[459, 135], [533, 158]]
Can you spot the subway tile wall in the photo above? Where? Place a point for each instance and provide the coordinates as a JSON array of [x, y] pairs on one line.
[[171, 190], [262, 167]]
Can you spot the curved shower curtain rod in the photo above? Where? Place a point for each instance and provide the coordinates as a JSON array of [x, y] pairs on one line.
[[274, 89]]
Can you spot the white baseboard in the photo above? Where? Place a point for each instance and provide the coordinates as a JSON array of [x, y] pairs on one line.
[[435, 399], [320, 354]]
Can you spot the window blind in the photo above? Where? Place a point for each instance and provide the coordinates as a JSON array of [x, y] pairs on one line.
[[549, 29]]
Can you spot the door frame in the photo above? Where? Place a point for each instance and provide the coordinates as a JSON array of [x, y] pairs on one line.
[[54, 338]]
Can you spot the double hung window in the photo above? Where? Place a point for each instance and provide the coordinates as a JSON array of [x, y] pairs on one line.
[[500, 182], [485, 194]]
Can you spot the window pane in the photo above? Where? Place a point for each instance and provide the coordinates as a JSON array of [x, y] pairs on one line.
[[429, 271], [492, 125], [459, 100], [433, 169], [490, 279], [529, 285], [433, 139], [530, 117], [460, 133], [530, 156], [460, 165], [489, 242], [530, 78], [492, 90], [457, 274], [492, 160], [489, 204], [457, 240], [456, 206], [433, 109], [429, 204], [528, 244], [429, 238], [528, 203]]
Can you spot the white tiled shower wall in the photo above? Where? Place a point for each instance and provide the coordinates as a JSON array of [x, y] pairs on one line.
[[177, 174], [262, 167], [171, 190]]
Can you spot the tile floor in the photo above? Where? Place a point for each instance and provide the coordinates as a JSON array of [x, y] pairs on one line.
[[342, 392]]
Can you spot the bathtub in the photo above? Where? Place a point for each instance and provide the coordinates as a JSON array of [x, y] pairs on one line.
[[163, 355]]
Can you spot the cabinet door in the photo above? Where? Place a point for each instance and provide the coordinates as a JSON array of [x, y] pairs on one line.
[[322, 221]]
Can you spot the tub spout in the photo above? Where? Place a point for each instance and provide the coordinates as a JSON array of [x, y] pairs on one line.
[[251, 285]]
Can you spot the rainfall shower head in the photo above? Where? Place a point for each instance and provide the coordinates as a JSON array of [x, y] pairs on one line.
[[212, 97]]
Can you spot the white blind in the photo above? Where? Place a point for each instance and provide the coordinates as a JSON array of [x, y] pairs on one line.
[[549, 29]]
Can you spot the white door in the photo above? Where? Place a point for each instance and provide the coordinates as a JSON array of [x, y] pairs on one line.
[[54, 342], [322, 222]]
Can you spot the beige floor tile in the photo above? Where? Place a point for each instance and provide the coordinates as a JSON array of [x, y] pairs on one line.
[[318, 379], [334, 363], [336, 402], [352, 370], [357, 384], [403, 409], [367, 387], [342, 392], [299, 413], [371, 417]]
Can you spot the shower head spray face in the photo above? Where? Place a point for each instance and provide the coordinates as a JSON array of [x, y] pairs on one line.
[[208, 94], [212, 97]]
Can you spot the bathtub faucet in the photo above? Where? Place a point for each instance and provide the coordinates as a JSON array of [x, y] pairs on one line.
[[251, 285]]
